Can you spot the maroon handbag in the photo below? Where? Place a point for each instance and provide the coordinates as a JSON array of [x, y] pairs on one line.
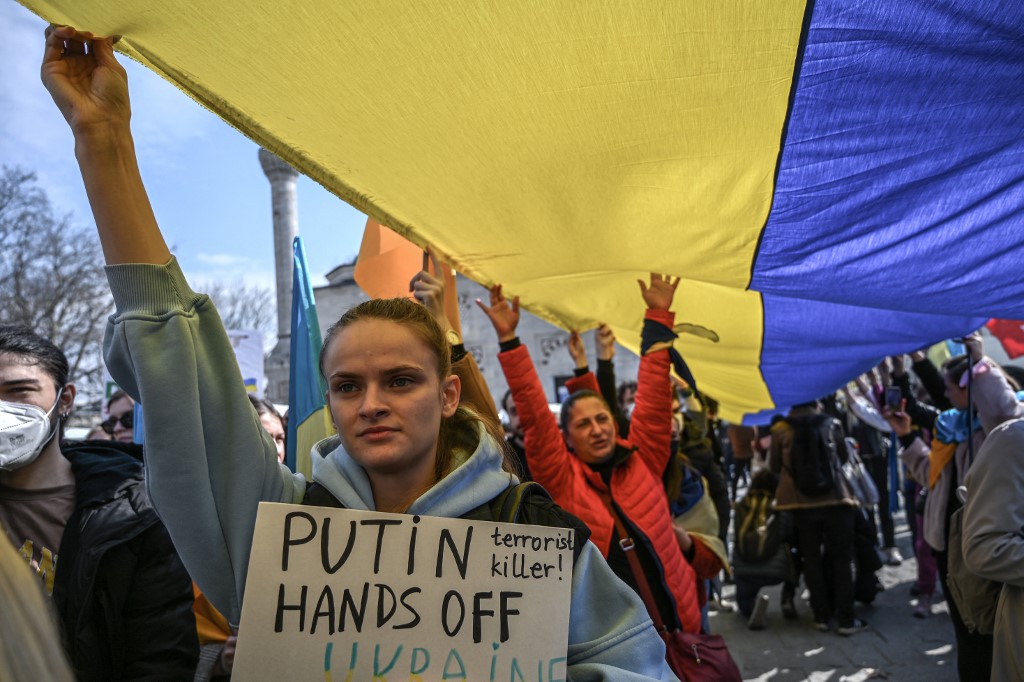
[[693, 657], [699, 657]]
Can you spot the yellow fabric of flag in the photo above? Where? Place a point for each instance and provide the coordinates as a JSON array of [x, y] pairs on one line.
[[564, 149], [308, 433]]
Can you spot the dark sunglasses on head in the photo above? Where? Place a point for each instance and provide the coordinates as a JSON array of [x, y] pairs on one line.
[[127, 421]]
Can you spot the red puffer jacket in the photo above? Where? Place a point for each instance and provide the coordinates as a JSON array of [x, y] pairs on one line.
[[635, 483]]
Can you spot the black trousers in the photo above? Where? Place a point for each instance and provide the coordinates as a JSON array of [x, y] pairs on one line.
[[973, 651], [828, 529], [740, 468], [878, 467]]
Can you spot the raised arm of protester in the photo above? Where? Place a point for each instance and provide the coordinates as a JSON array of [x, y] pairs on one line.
[[90, 88], [604, 340], [545, 449], [202, 438], [578, 352], [651, 424], [583, 379], [931, 379], [438, 293], [922, 414]]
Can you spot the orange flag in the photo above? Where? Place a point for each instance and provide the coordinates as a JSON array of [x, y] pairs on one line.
[[387, 262]]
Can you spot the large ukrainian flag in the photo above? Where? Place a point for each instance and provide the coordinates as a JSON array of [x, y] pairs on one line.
[[835, 181]]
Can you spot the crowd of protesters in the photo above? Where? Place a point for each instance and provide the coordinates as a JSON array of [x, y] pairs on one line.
[[153, 539]]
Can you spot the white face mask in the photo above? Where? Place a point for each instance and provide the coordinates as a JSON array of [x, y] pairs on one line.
[[24, 432]]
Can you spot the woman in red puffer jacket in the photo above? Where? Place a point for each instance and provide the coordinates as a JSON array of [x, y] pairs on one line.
[[586, 466]]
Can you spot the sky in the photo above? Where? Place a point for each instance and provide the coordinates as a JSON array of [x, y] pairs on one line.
[[204, 178]]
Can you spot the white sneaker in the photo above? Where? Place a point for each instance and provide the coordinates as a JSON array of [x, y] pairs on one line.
[[718, 604]]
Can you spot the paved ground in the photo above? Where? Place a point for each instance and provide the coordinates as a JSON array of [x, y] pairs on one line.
[[896, 646]]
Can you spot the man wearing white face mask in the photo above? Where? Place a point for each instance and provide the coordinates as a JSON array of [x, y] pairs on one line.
[[123, 597]]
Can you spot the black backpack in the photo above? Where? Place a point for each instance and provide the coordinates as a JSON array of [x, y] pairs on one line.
[[526, 503], [813, 458]]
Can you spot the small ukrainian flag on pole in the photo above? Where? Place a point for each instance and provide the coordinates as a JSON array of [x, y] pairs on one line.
[[309, 420]]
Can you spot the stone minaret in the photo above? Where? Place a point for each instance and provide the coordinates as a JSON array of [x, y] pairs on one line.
[[286, 226]]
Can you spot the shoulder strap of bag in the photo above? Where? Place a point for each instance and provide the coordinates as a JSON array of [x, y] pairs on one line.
[[319, 496], [507, 506], [629, 549]]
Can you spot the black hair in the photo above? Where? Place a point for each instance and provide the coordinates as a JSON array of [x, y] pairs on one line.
[[264, 407], [563, 416], [18, 339], [505, 399], [954, 368], [117, 395], [623, 387], [1015, 375]]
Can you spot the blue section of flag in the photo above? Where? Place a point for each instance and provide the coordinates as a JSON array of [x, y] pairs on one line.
[[812, 348], [901, 184], [306, 387], [900, 188], [139, 427]]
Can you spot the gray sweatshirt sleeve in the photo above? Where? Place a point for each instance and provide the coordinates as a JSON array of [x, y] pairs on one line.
[[208, 461], [993, 539], [611, 637]]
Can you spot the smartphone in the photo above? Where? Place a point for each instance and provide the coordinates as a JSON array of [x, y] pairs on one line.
[[894, 398]]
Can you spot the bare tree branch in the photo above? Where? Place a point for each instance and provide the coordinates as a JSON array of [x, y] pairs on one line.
[[52, 280], [245, 306], [51, 276]]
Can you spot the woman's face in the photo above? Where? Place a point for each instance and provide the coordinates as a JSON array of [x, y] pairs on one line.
[[272, 424], [386, 399], [118, 409], [591, 430]]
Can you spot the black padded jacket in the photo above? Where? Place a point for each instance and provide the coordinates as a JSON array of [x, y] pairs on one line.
[[122, 594]]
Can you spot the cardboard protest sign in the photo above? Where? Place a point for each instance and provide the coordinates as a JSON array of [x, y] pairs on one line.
[[248, 347], [344, 595]]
